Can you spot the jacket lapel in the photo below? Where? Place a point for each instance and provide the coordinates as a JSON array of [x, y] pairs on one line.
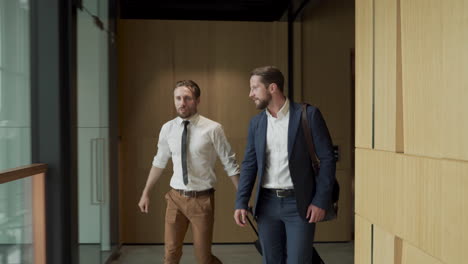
[[294, 121]]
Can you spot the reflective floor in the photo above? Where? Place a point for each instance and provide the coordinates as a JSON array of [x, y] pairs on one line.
[[92, 254], [331, 253]]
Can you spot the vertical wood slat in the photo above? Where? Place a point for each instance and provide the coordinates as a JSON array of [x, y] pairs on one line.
[[398, 253], [399, 133], [384, 246], [424, 89], [39, 226], [364, 72], [385, 39], [362, 252]]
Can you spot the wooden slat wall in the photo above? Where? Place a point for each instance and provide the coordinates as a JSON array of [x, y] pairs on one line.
[[364, 72], [363, 241], [385, 74], [218, 56], [411, 185], [422, 77], [384, 246]]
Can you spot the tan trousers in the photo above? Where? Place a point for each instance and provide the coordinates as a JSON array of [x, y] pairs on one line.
[[181, 211]]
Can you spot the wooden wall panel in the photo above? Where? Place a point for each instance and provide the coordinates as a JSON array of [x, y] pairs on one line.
[[384, 246], [413, 255], [434, 80], [378, 179], [364, 72], [418, 199], [385, 74], [362, 241], [454, 90], [327, 41], [143, 96], [418, 196], [401, 194], [365, 201], [422, 79], [454, 213]]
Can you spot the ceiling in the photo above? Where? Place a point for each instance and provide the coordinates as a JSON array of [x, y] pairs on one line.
[[226, 10]]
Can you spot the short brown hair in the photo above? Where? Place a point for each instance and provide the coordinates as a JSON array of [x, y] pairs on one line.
[[191, 85], [269, 75]]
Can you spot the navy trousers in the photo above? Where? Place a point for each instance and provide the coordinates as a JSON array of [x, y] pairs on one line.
[[285, 237]]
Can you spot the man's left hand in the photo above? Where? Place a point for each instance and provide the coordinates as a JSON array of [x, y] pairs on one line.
[[315, 214]]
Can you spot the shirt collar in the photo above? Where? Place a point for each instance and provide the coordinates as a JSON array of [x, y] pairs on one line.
[[282, 112], [193, 119]]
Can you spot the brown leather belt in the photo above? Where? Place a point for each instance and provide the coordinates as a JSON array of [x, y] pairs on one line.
[[194, 194], [280, 193]]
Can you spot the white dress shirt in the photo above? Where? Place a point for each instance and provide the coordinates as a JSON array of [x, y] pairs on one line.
[[277, 175], [205, 141]]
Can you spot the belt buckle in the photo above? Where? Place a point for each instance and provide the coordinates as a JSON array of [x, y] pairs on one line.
[[185, 193], [278, 193]]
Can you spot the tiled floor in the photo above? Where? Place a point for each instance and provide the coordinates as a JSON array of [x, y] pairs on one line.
[[331, 253]]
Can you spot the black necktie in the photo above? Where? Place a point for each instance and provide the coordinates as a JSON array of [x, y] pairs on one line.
[[184, 153]]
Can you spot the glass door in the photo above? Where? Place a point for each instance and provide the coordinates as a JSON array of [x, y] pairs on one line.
[[93, 132]]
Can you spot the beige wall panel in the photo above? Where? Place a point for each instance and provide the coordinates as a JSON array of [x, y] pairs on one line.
[[327, 35], [422, 202], [327, 40], [433, 39], [424, 114], [362, 241], [455, 79], [423, 224], [419, 200], [218, 56], [384, 246], [385, 74], [454, 212], [377, 185], [364, 72], [366, 193], [413, 255], [140, 90]]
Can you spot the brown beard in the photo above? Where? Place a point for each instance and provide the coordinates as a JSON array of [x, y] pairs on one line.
[[263, 103], [187, 115]]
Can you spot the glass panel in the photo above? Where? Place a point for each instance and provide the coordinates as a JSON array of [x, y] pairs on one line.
[[15, 132], [93, 133], [15, 124], [16, 228]]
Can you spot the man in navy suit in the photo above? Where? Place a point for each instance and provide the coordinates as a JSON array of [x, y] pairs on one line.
[[289, 199]]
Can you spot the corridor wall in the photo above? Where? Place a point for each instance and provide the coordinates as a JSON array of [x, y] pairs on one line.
[[327, 34], [411, 122]]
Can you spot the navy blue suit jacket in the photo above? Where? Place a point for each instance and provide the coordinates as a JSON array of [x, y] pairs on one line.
[[307, 190]]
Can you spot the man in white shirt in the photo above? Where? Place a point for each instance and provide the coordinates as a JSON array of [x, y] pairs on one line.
[[193, 142]]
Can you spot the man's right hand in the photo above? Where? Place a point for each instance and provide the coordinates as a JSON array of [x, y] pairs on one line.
[[240, 216], [144, 203]]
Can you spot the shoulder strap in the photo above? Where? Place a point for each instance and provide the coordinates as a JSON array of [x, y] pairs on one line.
[[310, 143]]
